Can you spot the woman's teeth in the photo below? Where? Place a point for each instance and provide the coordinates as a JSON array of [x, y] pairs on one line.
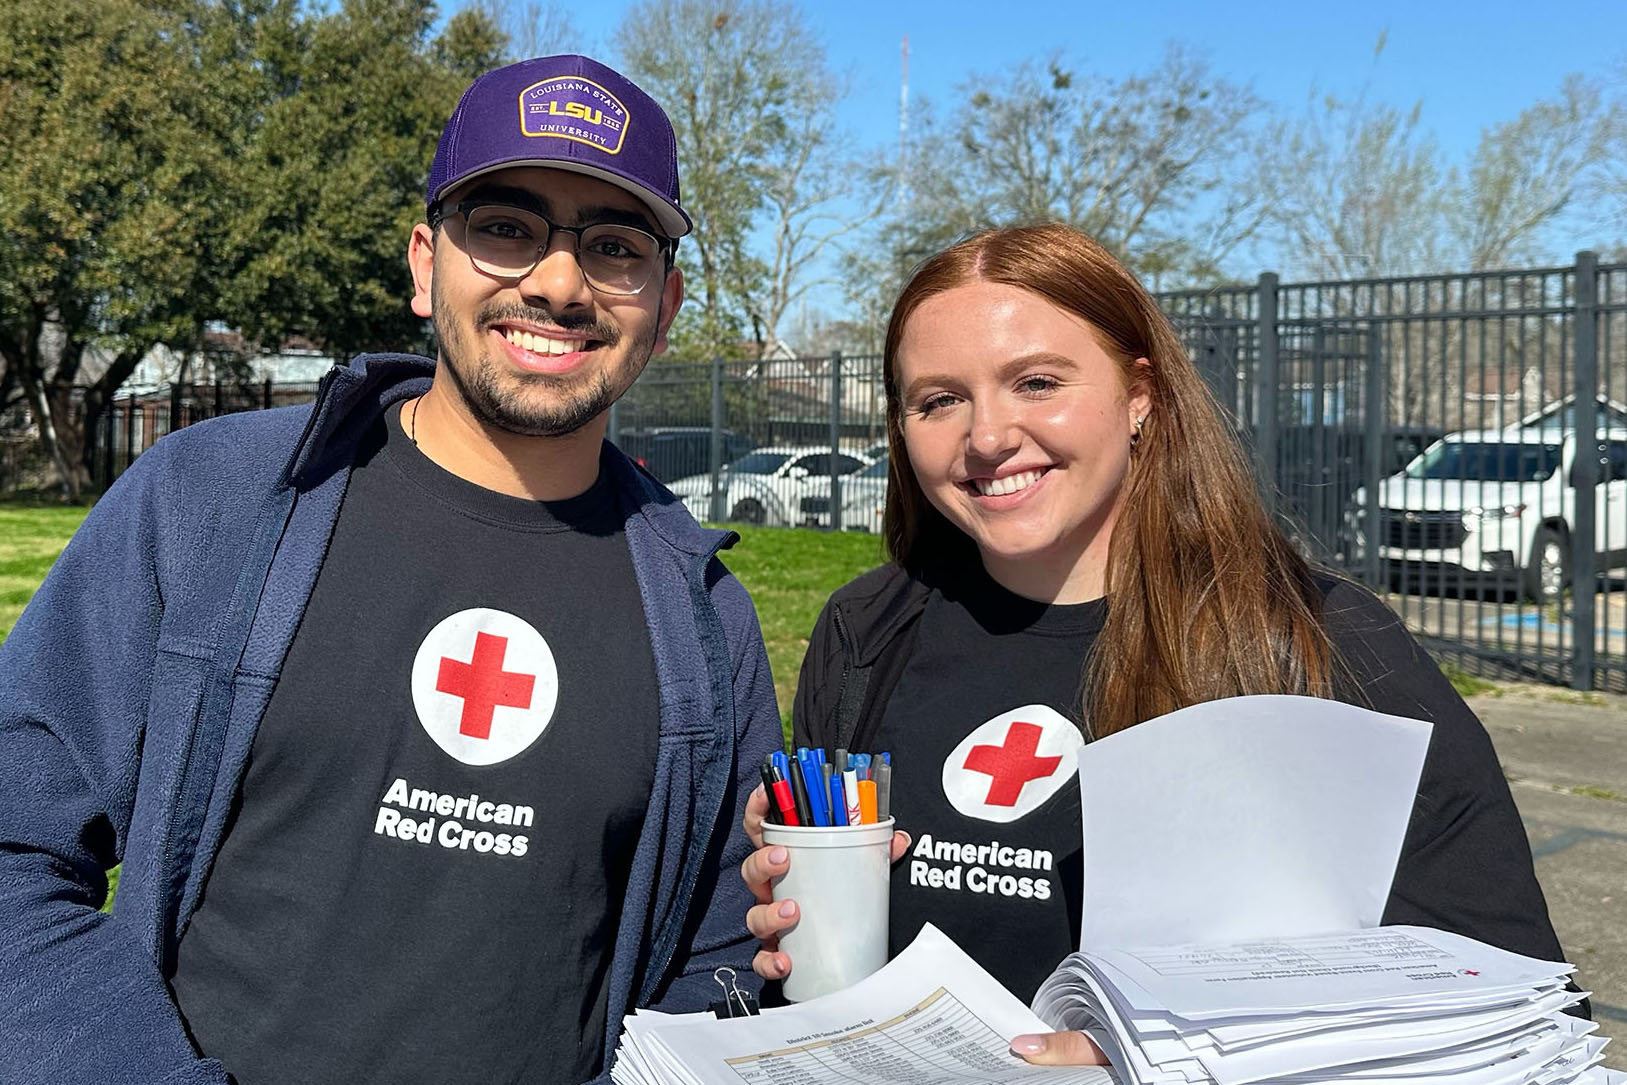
[[999, 487], [541, 344]]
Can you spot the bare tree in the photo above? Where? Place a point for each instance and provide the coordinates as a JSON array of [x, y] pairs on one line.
[[1532, 171], [1357, 190], [1143, 164], [809, 200], [746, 86]]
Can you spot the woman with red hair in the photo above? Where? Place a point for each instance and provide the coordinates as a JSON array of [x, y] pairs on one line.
[[1078, 545]]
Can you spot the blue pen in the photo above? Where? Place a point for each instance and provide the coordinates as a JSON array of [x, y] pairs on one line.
[[886, 758], [838, 801], [862, 765], [783, 764], [814, 780]]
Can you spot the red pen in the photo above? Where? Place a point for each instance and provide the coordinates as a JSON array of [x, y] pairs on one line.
[[787, 804]]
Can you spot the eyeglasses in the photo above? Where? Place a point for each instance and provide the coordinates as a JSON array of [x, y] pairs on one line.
[[508, 242]]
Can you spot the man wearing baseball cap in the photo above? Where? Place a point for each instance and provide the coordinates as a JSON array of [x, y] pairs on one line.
[[420, 719]]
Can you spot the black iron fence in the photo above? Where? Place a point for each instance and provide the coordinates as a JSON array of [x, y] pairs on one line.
[[1457, 442], [133, 422]]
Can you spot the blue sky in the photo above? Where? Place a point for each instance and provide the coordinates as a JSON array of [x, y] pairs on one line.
[[1470, 64]]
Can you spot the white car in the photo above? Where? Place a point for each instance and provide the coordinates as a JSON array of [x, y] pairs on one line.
[[766, 485], [864, 494], [1498, 504]]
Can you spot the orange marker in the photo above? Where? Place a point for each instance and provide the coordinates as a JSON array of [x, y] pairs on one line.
[[867, 801]]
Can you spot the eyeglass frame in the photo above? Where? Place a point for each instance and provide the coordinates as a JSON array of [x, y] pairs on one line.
[[666, 246]]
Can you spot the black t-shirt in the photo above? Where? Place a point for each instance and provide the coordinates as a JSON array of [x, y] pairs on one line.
[[424, 874], [984, 730]]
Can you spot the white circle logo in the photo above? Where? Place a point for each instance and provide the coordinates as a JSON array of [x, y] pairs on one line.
[[1010, 765], [485, 685]]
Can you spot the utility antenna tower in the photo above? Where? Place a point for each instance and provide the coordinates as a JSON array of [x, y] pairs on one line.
[[904, 127]]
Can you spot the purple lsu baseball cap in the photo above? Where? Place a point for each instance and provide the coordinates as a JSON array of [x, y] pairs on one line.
[[569, 113]]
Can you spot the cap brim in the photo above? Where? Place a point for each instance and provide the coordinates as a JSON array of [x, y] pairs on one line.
[[669, 216]]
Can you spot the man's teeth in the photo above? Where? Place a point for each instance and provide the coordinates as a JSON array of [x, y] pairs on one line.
[[999, 487], [541, 344]]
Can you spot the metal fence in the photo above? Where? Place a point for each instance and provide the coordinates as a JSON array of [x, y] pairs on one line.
[[133, 422], [1504, 547]]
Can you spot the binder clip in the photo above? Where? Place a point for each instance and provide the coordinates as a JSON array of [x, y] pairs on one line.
[[735, 1002]]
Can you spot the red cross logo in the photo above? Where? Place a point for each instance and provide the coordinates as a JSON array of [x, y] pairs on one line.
[[1013, 764], [1470, 972], [484, 684]]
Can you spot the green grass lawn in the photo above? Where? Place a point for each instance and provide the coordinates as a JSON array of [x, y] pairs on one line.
[[31, 537], [790, 572]]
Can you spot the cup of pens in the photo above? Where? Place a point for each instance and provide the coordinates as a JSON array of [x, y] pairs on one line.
[[833, 818]]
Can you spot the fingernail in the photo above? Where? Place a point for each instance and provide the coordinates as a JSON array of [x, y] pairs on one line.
[[1027, 1045], [777, 855], [788, 909]]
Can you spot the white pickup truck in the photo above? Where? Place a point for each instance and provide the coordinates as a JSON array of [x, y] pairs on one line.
[[1498, 505]]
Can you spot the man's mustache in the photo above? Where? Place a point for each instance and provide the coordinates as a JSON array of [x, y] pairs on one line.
[[584, 323]]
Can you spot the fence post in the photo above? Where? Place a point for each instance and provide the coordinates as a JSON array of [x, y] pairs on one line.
[[835, 440], [612, 429], [715, 453], [1373, 458], [130, 427], [265, 395], [1584, 479], [1266, 390], [174, 406], [112, 435]]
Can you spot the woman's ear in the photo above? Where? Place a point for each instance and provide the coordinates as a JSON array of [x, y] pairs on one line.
[[1140, 392]]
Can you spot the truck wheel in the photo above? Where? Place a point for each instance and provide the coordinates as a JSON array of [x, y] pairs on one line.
[[1547, 574], [748, 510]]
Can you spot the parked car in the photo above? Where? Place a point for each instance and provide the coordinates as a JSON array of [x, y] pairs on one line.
[[1498, 505], [766, 485], [1323, 465], [670, 452], [864, 493]]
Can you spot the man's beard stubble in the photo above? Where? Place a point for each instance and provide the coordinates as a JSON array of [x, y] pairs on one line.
[[481, 382]]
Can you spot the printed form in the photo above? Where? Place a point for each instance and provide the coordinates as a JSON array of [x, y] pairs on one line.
[[930, 1017]]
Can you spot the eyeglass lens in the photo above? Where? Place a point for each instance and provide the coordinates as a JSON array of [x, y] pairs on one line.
[[507, 242]]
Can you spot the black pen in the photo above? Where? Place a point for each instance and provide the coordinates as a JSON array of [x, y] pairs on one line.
[[799, 790], [767, 770]]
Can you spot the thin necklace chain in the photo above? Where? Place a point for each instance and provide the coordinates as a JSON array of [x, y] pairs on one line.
[[412, 423]]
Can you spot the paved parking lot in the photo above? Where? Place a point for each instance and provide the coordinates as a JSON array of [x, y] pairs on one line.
[[1537, 639], [1565, 756]]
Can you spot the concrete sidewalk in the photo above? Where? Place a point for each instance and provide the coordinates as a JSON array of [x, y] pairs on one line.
[[1565, 756]]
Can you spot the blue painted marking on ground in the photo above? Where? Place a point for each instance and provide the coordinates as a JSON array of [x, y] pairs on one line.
[[1570, 837], [1536, 620], [1614, 1013]]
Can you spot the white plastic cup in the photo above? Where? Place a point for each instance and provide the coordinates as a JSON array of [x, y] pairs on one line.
[[839, 877]]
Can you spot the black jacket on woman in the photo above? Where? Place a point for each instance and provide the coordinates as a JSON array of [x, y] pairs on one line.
[[1465, 864]]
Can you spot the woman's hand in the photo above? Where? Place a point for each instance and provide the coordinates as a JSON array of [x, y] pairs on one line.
[[1058, 1049], [766, 919]]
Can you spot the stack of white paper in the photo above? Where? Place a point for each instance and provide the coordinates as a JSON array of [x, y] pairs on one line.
[[931, 1016], [1229, 835], [1369, 1007]]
